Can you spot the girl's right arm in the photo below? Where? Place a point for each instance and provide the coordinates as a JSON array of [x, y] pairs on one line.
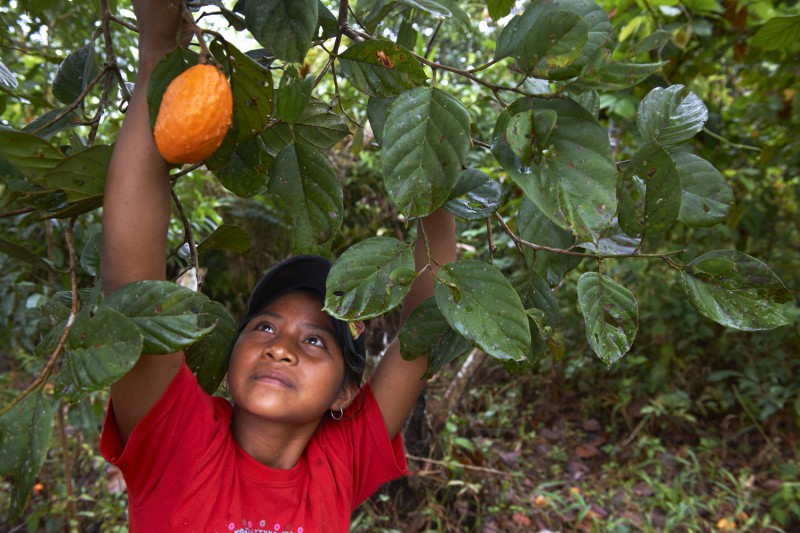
[[136, 212]]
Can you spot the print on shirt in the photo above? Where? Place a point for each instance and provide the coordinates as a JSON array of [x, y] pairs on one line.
[[262, 526]]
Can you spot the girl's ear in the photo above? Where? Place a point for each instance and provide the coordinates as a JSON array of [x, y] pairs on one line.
[[345, 397]]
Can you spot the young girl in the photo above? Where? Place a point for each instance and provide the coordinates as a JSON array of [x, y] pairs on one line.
[[303, 443]]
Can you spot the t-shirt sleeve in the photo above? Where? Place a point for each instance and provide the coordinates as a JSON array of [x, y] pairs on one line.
[[376, 459], [174, 434]]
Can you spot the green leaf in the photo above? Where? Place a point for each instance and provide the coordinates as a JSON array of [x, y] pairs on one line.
[[7, 78], [706, 198], [244, 172], [381, 68], [252, 89], [605, 74], [23, 254], [573, 180], [535, 227], [482, 196], [555, 39], [69, 120], [164, 313], [429, 6], [528, 133], [735, 290], [541, 305], [649, 193], [90, 256], [361, 285], [293, 95], [303, 178], [208, 357], [329, 26], [611, 315], [100, 349], [28, 153], [25, 434], [671, 115], [478, 302], [426, 140], [499, 8], [317, 126], [225, 237], [457, 12], [426, 333], [74, 73], [377, 110], [284, 26], [82, 175], [778, 33]]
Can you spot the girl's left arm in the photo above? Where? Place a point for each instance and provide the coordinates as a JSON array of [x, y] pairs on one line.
[[397, 383]]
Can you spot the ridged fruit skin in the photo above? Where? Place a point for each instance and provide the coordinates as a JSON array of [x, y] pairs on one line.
[[195, 114]]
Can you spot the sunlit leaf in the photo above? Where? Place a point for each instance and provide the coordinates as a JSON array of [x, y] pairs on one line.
[[778, 33], [361, 285]]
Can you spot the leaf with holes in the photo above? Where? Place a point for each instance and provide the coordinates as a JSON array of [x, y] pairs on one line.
[[611, 315], [381, 68], [478, 301], [425, 142], [165, 313], [369, 279], [735, 290]]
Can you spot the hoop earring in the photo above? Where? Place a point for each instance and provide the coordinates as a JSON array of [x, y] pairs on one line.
[[341, 414]]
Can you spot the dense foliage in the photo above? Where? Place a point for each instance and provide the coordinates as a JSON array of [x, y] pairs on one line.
[[623, 170]]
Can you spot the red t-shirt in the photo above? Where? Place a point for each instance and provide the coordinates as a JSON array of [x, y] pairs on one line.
[[185, 472]]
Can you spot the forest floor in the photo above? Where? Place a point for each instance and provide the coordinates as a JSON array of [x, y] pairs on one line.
[[529, 453]]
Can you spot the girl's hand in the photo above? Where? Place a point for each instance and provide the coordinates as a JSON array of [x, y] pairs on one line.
[[159, 22]]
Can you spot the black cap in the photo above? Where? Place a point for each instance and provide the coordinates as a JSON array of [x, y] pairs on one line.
[[308, 272]]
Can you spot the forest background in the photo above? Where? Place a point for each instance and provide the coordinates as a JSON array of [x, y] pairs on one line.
[[687, 419]]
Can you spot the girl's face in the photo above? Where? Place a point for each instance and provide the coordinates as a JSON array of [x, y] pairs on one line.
[[286, 365]]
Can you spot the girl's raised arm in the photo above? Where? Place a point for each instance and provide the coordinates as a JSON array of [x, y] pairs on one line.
[[397, 383], [136, 212]]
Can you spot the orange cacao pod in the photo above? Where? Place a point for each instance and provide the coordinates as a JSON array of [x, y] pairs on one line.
[[195, 114]]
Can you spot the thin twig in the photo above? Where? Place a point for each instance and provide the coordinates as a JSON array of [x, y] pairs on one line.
[[20, 211], [70, 108], [429, 47], [342, 22], [66, 459], [520, 242], [466, 467], [123, 22]]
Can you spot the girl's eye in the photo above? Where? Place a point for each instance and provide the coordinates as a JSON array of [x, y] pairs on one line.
[[316, 341], [264, 326]]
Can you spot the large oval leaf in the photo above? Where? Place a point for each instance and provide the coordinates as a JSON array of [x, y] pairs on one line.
[[286, 27], [208, 357], [303, 178], [100, 349], [317, 126], [74, 73], [25, 434], [425, 142], [370, 278], [225, 237], [611, 315], [243, 168], [165, 313], [381, 68], [649, 193], [671, 115], [479, 302], [27, 153], [426, 333], [706, 197], [573, 177], [82, 175], [735, 290], [482, 196]]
